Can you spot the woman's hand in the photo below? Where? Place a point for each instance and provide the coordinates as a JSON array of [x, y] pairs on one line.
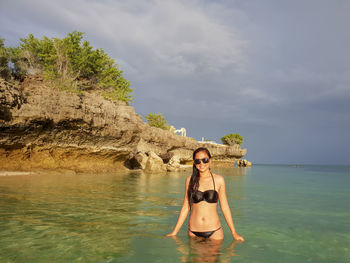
[[238, 237], [171, 234]]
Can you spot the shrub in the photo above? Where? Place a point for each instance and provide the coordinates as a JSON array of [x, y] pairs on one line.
[[157, 120], [69, 63], [231, 139], [4, 60]]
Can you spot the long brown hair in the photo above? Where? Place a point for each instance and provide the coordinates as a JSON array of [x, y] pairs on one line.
[[194, 181]]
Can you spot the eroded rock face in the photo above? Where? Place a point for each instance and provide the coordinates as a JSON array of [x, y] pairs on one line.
[[136, 161], [154, 164], [42, 127], [173, 164], [243, 163]]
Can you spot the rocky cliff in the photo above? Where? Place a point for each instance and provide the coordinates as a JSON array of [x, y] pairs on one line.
[[46, 128]]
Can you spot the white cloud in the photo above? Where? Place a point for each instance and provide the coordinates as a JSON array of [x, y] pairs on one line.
[[170, 37]]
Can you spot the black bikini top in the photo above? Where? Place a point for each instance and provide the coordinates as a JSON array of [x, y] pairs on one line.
[[210, 196]]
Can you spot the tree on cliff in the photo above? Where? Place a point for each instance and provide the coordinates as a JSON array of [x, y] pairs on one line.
[[69, 63], [4, 60], [231, 139], [157, 120]]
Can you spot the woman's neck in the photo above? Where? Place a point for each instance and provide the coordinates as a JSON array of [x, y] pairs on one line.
[[204, 174]]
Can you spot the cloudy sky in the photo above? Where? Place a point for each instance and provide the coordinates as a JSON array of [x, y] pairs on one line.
[[277, 72]]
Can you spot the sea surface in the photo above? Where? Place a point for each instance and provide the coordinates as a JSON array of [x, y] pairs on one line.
[[285, 213]]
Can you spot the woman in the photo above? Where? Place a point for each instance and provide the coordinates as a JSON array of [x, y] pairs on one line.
[[203, 190]]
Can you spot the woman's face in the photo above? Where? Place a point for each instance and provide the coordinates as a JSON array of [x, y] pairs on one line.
[[202, 167]]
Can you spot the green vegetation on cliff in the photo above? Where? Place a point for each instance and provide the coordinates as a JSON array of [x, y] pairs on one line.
[[157, 120], [4, 60], [231, 139], [69, 63]]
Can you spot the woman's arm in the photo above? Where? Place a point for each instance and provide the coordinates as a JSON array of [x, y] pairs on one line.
[[183, 213], [226, 209]]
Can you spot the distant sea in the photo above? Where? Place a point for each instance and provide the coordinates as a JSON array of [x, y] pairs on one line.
[[285, 213]]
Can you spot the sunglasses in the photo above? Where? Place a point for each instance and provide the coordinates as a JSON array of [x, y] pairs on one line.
[[198, 161]]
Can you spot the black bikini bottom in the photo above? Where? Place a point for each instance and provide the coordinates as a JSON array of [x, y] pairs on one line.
[[204, 234]]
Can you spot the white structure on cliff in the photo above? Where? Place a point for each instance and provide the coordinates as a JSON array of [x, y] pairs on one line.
[[207, 141], [182, 131]]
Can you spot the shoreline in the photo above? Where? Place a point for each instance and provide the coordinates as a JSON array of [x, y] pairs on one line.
[[15, 173]]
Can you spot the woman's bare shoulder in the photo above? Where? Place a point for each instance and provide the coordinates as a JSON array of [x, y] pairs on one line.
[[218, 178]]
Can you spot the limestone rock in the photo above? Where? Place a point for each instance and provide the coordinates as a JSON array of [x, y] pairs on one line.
[[137, 161], [141, 158], [47, 128], [154, 163], [243, 163], [173, 164]]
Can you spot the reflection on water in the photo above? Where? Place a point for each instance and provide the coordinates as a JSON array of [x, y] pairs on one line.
[[204, 250], [285, 215], [65, 216], [237, 171]]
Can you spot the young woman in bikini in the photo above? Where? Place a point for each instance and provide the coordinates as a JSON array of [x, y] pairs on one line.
[[203, 190]]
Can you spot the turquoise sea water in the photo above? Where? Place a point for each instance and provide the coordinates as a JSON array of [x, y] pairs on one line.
[[286, 214]]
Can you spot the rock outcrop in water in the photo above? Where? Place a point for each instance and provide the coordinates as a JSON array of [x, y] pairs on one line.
[[46, 128]]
